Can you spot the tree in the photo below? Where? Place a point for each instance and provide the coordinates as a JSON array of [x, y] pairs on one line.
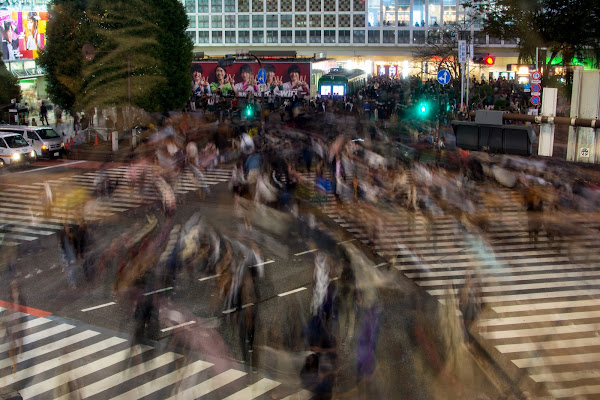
[[140, 54], [9, 89]]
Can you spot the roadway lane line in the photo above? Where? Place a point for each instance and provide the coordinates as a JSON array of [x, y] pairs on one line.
[[97, 307], [235, 309], [346, 241], [177, 326], [209, 277], [291, 291], [158, 291], [306, 252], [264, 263], [53, 166]]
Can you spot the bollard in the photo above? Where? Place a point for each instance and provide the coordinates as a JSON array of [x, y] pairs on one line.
[[133, 137], [115, 141]]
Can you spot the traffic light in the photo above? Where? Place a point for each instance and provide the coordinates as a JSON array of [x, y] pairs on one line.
[[484, 59], [423, 108], [489, 60], [249, 111]]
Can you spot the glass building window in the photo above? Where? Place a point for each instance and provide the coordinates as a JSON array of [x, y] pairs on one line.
[[480, 37], [286, 36], [202, 6], [217, 36], [243, 37], [229, 6], [243, 5], [389, 37], [435, 12], [272, 21], [374, 37], [230, 21], [315, 21], [300, 21], [449, 13], [229, 36], [389, 13], [216, 6], [216, 21], [359, 5], [203, 37], [344, 36], [300, 5], [315, 36], [202, 21], [272, 6], [344, 21], [329, 21], [358, 36], [403, 36], [192, 21], [258, 6], [358, 20], [419, 13], [434, 36], [190, 6], [192, 36], [258, 21], [315, 5], [403, 12], [258, 36], [272, 37], [286, 21], [344, 5], [329, 5], [244, 21], [286, 5], [300, 36], [419, 37], [329, 36], [494, 40], [373, 15]]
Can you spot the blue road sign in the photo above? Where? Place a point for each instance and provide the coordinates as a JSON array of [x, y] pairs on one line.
[[443, 76], [535, 100], [262, 76], [536, 88], [527, 86]]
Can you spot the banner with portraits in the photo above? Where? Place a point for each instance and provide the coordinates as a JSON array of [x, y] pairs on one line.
[[283, 79], [23, 34]]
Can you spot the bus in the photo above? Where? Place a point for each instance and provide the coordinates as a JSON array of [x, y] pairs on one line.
[[342, 82]]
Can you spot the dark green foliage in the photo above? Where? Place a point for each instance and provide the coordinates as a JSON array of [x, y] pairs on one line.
[[9, 89]]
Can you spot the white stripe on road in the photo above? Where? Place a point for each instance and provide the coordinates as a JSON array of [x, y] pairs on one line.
[[529, 286], [39, 335], [557, 360], [540, 331], [97, 307], [264, 263], [30, 324], [291, 291], [209, 385], [566, 376], [550, 345], [159, 291], [253, 391], [574, 392], [209, 277], [556, 305], [177, 326], [301, 395], [52, 166], [306, 252], [526, 319]]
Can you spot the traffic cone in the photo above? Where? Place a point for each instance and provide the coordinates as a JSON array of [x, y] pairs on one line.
[[96, 141], [66, 144], [71, 141]]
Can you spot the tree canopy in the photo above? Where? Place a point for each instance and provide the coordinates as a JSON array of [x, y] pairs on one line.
[[139, 54], [9, 88], [567, 28]]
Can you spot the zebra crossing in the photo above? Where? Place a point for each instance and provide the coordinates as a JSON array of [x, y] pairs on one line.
[[64, 360], [541, 317], [23, 217]]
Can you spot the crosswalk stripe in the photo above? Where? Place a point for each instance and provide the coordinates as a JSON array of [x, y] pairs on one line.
[[80, 372], [546, 306], [34, 337], [539, 318], [164, 381], [209, 385], [30, 324], [565, 376], [512, 278], [575, 391], [524, 286], [549, 345], [301, 395], [540, 331], [123, 376], [253, 391], [557, 360]]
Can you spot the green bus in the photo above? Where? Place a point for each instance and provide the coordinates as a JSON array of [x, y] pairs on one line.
[[342, 82]]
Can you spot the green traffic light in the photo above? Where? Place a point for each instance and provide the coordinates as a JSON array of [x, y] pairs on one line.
[[423, 108], [249, 111]]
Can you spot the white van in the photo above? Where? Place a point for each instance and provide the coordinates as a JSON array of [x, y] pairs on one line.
[[14, 150], [44, 140]]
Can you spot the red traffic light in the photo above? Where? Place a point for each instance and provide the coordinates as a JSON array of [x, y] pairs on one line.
[[489, 60]]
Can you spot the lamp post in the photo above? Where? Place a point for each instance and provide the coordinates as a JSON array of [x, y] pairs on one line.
[[228, 62]]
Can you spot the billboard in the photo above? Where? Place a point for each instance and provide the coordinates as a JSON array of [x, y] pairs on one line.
[[23, 34], [284, 79]]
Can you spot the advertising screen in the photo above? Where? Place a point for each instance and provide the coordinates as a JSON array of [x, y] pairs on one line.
[[23, 34], [325, 90], [284, 79]]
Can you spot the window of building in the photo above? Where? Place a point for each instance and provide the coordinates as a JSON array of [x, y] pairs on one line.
[[494, 40], [359, 5], [230, 21], [229, 36], [272, 21], [344, 21], [286, 5], [435, 12], [272, 37], [480, 37], [374, 14], [403, 12], [300, 36], [419, 13], [358, 36], [449, 13], [315, 5], [315, 36], [315, 21], [192, 21], [258, 36], [344, 5], [229, 5], [329, 5], [389, 13], [216, 21], [192, 35], [389, 37], [358, 20], [329, 36], [258, 6], [202, 6], [300, 5], [419, 37], [434, 36], [203, 37], [258, 21], [243, 21], [374, 37], [202, 21], [329, 21], [243, 37], [449, 36], [217, 36], [286, 36], [272, 6], [403, 36], [243, 5], [286, 21], [216, 6], [300, 21], [190, 6], [344, 36]]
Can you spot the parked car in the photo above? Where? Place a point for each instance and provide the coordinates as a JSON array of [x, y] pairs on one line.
[[14, 150], [44, 140]]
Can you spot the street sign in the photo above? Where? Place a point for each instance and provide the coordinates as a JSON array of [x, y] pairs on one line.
[[527, 87], [262, 76], [462, 51], [536, 75], [535, 100], [443, 76], [584, 152], [536, 87], [262, 88]]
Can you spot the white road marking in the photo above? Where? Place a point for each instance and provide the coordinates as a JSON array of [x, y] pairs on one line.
[[306, 252], [291, 291], [177, 326], [52, 166], [158, 291], [97, 307], [209, 385], [253, 391]]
